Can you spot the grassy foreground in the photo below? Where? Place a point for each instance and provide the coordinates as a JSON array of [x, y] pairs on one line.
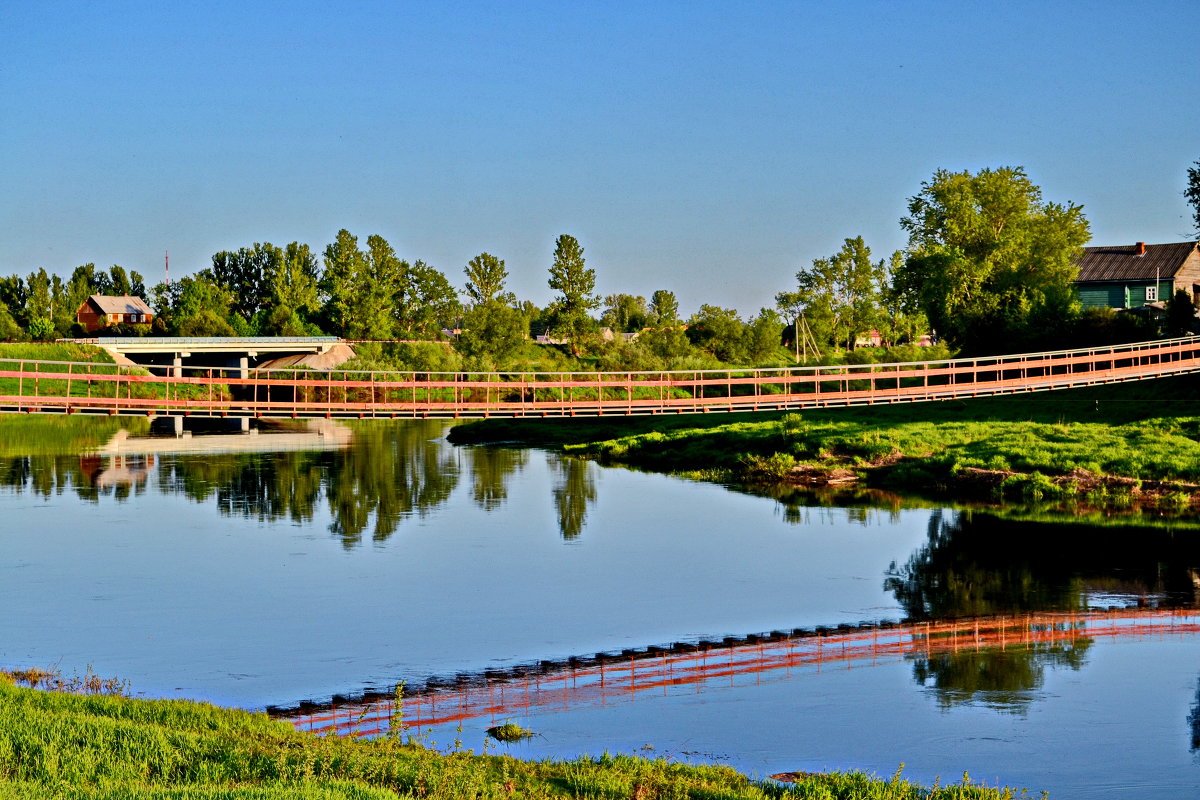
[[65, 745], [1105, 444]]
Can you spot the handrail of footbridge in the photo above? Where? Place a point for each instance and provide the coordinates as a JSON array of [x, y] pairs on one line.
[[28, 385]]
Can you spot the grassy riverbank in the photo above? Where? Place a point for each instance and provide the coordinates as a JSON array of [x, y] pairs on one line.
[[1109, 444], [64, 745]]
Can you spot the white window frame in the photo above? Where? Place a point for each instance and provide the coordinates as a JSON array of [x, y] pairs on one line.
[[1151, 294]]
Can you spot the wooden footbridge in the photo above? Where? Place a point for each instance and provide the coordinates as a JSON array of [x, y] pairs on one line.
[[703, 666], [92, 388]]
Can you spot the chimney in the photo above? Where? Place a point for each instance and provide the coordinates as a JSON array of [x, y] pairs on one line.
[[1141, 248]]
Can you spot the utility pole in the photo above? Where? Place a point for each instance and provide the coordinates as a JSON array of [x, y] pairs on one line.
[[796, 337], [167, 266]]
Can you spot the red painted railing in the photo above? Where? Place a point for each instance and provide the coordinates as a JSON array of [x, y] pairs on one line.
[[613, 678], [65, 387]]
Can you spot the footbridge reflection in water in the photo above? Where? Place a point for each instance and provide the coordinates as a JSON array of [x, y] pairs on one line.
[[552, 686]]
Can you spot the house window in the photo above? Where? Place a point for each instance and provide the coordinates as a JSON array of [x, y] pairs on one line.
[[1151, 294]]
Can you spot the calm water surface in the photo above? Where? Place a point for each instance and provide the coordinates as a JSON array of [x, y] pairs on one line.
[[277, 567]]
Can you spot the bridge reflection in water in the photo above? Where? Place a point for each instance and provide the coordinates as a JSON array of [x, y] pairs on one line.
[[62, 387], [706, 665]]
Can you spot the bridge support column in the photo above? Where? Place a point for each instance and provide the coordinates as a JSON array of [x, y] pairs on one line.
[[177, 425], [244, 424], [243, 367], [177, 367]]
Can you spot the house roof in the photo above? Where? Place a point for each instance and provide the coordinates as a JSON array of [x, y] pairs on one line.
[[1122, 263], [126, 304]]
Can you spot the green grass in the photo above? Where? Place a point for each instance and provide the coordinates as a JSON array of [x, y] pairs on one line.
[[54, 351], [55, 745], [1148, 431]]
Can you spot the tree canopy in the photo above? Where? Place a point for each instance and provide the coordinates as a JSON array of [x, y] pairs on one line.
[[1192, 193], [989, 262]]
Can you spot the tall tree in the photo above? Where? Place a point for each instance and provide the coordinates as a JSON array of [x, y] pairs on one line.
[[989, 262], [1192, 193], [292, 286], [245, 274], [341, 283], [664, 308], [838, 296], [377, 291], [13, 295], [119, 283], [575, 284], [485, 278], [39, 302]]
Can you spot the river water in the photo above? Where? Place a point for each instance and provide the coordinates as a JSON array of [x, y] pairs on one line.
[[282, 566]]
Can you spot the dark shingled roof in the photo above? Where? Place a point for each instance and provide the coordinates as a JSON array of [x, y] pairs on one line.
[[1124, 264], [125, 304]]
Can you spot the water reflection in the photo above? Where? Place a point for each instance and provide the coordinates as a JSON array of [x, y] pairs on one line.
[[575, 490], [975, 564], [1194, 721], [1004, 680], [491, 470]]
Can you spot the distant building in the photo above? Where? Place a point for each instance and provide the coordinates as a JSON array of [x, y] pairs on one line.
[[99, 311], [1131, 276]]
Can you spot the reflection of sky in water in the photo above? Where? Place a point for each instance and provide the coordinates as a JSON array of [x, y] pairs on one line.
[[265, 578], [170, 592]]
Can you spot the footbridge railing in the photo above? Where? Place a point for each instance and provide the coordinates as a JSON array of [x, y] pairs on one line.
[[69, 387]]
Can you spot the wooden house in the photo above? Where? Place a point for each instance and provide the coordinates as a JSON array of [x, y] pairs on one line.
[[1131, 276], [100, 311]]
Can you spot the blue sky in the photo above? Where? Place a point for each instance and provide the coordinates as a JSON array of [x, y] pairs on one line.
[[707, 148]]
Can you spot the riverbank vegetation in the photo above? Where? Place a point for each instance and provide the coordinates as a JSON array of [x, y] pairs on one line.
[[103, 745], [1108, 446]]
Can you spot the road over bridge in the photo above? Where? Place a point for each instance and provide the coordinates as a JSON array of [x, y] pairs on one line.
[[62, 387], [177, 353]]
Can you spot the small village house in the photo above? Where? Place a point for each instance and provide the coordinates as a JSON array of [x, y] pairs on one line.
[[1130, 276], [100, 311]]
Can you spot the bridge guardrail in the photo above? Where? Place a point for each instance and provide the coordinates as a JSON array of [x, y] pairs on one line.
[[73, 387]]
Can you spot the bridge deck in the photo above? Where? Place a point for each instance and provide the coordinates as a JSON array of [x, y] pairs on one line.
[[66, 387]]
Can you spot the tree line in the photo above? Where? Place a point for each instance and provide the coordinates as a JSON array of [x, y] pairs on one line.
[[989, 265]]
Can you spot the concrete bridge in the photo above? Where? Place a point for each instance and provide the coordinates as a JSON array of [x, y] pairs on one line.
[[177, 353], [242, 391]]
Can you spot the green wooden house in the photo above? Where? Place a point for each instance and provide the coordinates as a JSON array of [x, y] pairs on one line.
[[1130, 276]]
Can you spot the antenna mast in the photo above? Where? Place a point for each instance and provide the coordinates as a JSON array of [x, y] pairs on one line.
[[167, 266]]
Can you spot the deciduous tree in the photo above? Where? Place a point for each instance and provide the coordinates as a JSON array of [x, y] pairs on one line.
[[664, 308], [485, 278], [575, 284], [989, 262], [1192, 193], [425, 302], [625, 313]]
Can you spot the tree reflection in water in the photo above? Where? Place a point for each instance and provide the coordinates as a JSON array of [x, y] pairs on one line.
[[575, 490], [491, 470], [1194, 722], [980, 565]]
